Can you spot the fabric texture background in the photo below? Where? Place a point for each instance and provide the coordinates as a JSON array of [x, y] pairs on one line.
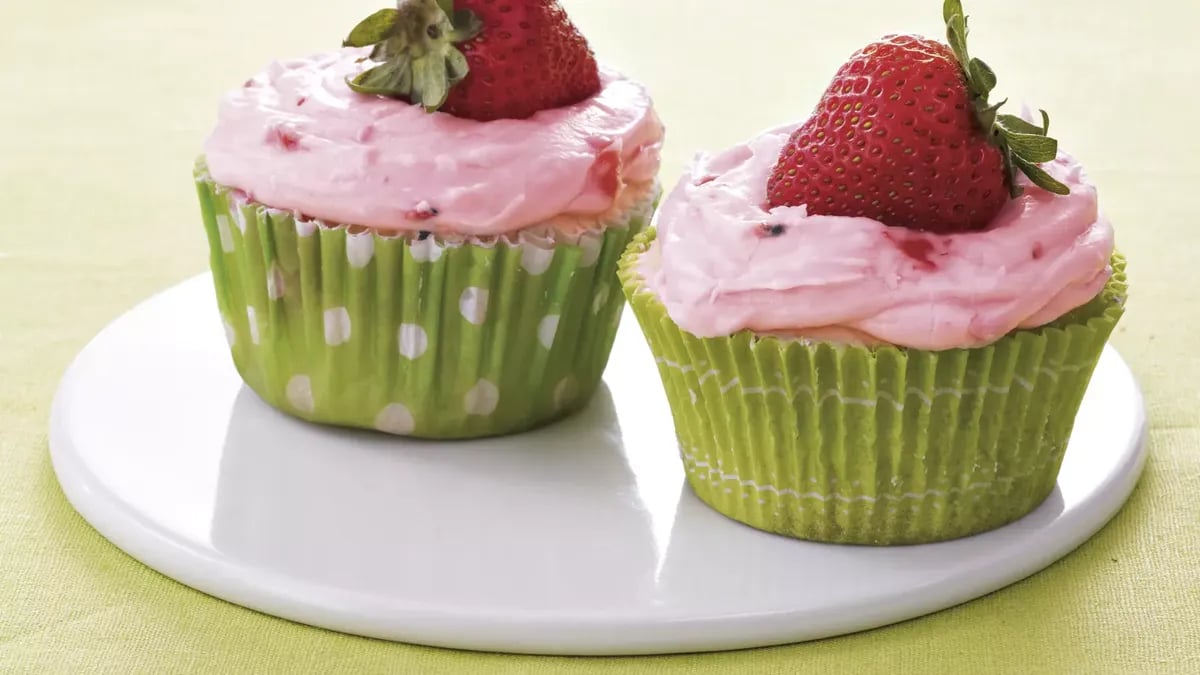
[[104, 108]]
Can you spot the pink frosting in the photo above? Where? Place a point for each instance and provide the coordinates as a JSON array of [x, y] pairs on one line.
[[718, 269], [296, 137]]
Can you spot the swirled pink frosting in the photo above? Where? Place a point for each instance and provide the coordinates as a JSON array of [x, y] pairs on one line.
[[719, 267], [296, 137]]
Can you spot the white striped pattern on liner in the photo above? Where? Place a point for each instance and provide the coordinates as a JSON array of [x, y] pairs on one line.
[[679, 366], [712, 471], [846, 400], [688, 369], [1053, 374], [763, 391]]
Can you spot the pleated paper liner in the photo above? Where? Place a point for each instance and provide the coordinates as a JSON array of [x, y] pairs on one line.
[[878, 446], [414, 335]]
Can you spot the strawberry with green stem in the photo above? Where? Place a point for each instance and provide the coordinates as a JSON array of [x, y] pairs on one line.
[[905, 135], [482, 59]]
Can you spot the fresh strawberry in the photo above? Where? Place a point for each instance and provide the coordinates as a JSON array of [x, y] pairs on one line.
[[484, 60], [905, 135], [528, 57]]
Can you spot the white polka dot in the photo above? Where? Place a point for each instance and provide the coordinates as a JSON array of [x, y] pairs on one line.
[[425, 251], [252, 318], [474, 304], [535, 259], [305, 228], [223, 232], [360, 248], [599, 301], [591, 245], [239, 217], [275, 284], [565, 392], [413, 340], [230, 332], [337, 326], [547, 329], [299, 393], [395, 419], [482, 399]]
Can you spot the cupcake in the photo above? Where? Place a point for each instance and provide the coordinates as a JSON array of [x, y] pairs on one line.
[[876, 326], [419, 232]]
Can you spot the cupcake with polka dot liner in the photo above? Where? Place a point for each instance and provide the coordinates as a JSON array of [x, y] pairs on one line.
[[419, 232], [877, 326]]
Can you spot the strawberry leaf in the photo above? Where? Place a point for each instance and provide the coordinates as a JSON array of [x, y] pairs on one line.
[[415, 47], [950, 8], [381, 79], [987, 115], [956, 35], [456, 66], [466, 26], [1032, 147], [982, 76], [1023, 143], [1040, 178], [1010, 170], [431, 82], [375, 28], [1014, 124]]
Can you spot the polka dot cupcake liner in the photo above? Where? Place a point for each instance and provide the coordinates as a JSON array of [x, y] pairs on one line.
[[414, 335], [874, 445]]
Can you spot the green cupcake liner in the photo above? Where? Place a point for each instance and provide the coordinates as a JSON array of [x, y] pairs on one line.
[[414, 335], [874, 445]]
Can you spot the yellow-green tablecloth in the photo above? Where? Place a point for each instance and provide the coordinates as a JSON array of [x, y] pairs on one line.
[[104, 104]]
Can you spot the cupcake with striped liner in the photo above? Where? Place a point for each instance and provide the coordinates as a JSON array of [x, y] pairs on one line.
[[877, 326], [419, 232]]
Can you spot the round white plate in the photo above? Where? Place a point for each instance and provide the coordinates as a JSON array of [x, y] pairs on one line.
[[580, 538]]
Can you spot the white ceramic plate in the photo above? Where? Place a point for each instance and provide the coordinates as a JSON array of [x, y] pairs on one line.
[[580, 538]]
